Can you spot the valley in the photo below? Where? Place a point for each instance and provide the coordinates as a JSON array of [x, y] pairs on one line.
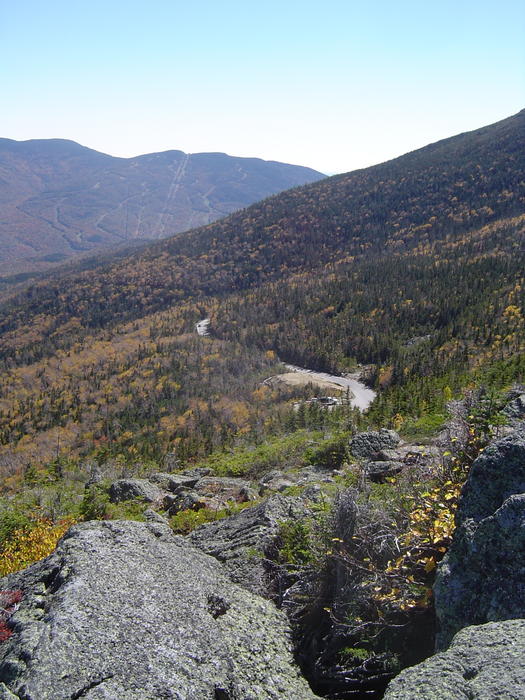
[[184, 384], [359, 395]]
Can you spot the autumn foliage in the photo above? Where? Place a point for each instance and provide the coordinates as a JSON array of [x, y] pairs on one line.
[[28, 546], [9, 600]]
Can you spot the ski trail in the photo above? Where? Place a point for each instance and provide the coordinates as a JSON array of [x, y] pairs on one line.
[[175, 184]]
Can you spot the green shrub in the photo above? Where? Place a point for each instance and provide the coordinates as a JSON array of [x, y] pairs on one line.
[[286, 450], [329, 454], [350, 656], [95, 503], [185, 521], [12, 521], [296, 543], [424, 427]]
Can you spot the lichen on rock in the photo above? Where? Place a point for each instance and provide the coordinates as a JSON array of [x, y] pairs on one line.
[[128, 611]]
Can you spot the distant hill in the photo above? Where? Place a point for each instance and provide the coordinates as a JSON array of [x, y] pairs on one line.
[[60, 199]]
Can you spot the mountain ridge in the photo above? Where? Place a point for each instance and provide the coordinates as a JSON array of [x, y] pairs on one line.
[[62, 199], [382, 210]]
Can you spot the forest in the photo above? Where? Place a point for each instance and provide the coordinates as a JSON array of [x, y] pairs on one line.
[[434, 198]]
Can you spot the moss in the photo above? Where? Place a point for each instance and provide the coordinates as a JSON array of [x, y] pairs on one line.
[[186, 521], [353, 655]]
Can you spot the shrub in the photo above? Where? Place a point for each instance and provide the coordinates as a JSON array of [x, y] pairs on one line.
[[27, 546], [12, 521], [257, 460], [94, 505], [296, 543], [9, 601], [185, 521], [330, 454]]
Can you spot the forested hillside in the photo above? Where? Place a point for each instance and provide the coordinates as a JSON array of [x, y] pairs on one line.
[[439, 193]]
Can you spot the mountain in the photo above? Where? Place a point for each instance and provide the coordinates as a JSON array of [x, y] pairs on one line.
[[60, 199], [419, 202], [414, 266]]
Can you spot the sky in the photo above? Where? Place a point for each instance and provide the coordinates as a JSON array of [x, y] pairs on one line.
[[335, 86]]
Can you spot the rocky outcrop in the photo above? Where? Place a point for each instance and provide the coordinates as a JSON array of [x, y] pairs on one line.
[[481, 577], [495, 475], [127, 611], [515, 408], [209, 492], [368, 444], [242, 541], [482, 663], [382, 454], [216, 488], [192, 489], [127, 489], [480, 587], [381, 469], [173, 482], [309, 475]]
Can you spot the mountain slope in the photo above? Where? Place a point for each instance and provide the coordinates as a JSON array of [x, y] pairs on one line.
[[415, 266], [60, 199], [436, 194]]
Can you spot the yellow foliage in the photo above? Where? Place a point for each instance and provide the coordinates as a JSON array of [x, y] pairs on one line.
[[25, 548], [397, 421]]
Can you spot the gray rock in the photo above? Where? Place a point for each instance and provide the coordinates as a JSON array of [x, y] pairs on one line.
[[198, 472], [278, 485], [313, 494], [216, 491], [495, 475], [369, 443], [411, 454], [481, 578], [173, 503], [390, 455], [173, 482], [242, 540], [189, 500], [483, 663], [210, 492], [227, 488], [128, 611], [126, 489], [377, 471], [515, 409], [313, 474], [153, 517], [275, 481], [169, 500], [274, 474]]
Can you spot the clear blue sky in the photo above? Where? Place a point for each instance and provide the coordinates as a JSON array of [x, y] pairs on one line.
[[335, 85]]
